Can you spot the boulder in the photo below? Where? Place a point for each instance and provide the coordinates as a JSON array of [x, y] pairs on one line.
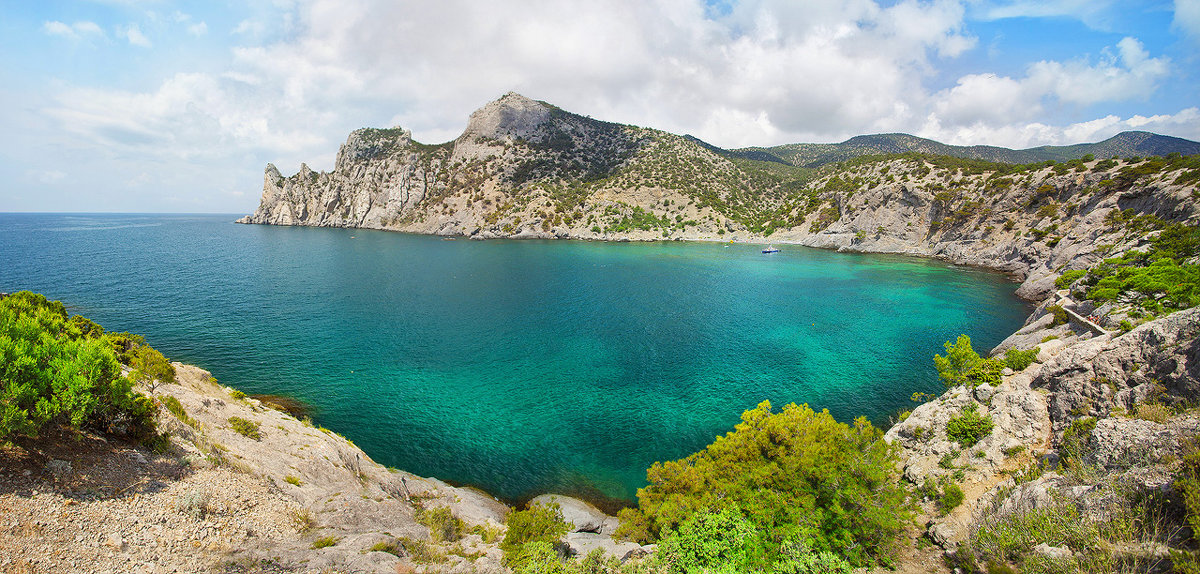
[[1053, 552], [583, 543], [579, 515]]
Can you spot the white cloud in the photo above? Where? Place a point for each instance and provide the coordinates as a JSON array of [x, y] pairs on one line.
[[76, 31], [983, 102], [198, 29], [1135, 75], [762, 73], [1187, 18], [190, 115], [134, 34], [1097, 14], [1184, 124]]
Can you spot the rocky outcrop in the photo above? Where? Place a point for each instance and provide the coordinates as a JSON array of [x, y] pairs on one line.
[[348, 496], [1157, 360]]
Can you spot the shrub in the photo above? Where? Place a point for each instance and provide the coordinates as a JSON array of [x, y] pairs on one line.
[[969, 427], [1068, 277], [442, 524], [952, 496], [1076, 438], [174, 407], [1020, 360], [292, 480], [422, 552], [246, 428], [325, 542], [236, 394], [55, 371], [537, 557], [963, 366], [538, 523], [959, 360], [1014, 450], [813, 563], [990, 371], [389, 547], [193, 503], [634, 527], [1153, 411], [149, 366], [1060, 315], [795, 473], [711, 542]]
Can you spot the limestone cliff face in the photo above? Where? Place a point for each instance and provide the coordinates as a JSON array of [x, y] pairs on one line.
[[1034, 224], [526, 169]]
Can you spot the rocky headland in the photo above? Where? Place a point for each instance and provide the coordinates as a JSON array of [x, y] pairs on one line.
[[1105, 375]]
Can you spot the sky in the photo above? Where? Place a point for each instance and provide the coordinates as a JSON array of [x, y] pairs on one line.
[[177, 106]]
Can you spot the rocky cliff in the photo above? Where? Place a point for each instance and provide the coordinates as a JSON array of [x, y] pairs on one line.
[[526, 169]]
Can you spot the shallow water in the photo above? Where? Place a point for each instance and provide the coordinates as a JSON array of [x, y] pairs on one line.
[[518, 366]]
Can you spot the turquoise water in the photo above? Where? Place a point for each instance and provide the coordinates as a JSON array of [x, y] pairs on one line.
[[518, 366]]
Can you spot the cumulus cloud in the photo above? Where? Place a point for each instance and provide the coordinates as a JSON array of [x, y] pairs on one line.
[[190, 115], [755, 72], [1185, 124], [999, 107]]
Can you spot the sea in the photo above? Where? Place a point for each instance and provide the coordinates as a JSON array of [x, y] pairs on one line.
[[517, 366]]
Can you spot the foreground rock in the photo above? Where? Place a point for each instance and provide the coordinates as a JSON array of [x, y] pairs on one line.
[[223, 497], [590, 529]]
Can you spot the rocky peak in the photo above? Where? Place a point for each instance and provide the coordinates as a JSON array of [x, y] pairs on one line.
[[367, 143], [511, 116]]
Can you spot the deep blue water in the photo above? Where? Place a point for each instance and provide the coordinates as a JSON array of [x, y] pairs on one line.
[[518, 366]]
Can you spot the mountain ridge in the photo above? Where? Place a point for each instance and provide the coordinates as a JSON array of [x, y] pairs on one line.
[[1124, 144]]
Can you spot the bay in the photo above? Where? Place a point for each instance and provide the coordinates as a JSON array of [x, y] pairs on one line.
[[521, 367]]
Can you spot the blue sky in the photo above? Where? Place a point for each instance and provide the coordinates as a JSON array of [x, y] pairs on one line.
[[162, 105]]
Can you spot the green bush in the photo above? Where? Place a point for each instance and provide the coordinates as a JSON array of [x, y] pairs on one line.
[[969, 427], [1068, 277], [804, 562], [442, 524], [963, 366], [952, 496], [959, 360], [176, 408], [389, 547], [246, 428], [707, 541], [1020, 360], [792, 474], [989, 371], [1076, 439], [325, 542], [149, 365], [538, 557], [57, 371], [538, 523], [1060, 315]]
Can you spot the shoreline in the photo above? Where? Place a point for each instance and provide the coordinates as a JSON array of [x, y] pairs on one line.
[[1015, 276]]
